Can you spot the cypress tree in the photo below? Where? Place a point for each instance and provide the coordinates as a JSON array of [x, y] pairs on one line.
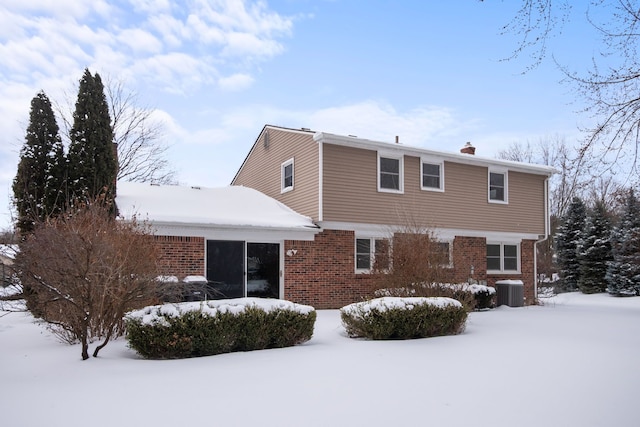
[[568, 239], [596, 252], [623, 273], [92, 160], [38, 188]]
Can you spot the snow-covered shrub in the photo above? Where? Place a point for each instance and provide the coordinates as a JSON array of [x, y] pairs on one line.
[[482, 294], [404, 318], [472, 296], [193, 329]]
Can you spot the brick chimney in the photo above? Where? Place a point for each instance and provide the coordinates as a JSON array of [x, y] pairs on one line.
[[468, 149]]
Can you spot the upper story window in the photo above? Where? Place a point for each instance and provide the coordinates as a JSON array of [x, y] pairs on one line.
[[498, 186], [502, 257], [390, 173], [287, 176], [432, 172]]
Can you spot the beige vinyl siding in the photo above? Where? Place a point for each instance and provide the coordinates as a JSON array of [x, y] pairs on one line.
[[351, 195], [262, 169]]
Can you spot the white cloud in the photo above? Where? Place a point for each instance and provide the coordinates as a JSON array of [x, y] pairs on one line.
[[235, 82], [172, 30], [380, 121], [151, 6], [175, 72], [140, 41], [59, 9], [247, 44], [96, 34]]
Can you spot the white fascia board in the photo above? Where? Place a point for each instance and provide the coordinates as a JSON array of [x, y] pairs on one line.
[[261, 234], [470, 159], [382, 230]]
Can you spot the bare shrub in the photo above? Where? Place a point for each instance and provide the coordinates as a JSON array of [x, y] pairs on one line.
[[84, 270], [419, 266], [416, 257]]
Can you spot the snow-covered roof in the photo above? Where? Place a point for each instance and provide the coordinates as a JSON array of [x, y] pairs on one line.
[[224, 207]]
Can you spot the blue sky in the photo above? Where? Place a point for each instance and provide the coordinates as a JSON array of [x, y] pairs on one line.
[[215, 72]]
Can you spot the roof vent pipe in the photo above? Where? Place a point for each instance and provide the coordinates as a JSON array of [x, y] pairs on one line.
[[397, 139], [468, 149]]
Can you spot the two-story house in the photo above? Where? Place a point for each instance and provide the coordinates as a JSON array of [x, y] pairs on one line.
[[488, 213]]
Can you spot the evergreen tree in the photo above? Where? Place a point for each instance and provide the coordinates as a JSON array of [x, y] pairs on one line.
[[623, 273], [568, 240], [38, 187], [596, 252], [92, 160]]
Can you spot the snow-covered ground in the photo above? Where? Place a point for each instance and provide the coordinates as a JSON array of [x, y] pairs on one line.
[[571, 362]]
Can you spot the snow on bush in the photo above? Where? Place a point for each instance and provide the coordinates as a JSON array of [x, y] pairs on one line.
[[205, 328], [475, 295], [404, 317]]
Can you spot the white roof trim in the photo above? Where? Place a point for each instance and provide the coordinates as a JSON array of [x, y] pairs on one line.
[[367, 144], [378, 230]]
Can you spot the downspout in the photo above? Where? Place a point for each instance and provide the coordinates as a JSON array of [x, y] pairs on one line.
[[320, 179], [547, 232]]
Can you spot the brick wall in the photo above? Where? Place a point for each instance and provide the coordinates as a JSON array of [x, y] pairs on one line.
[[469, 252], [322, 273], [181, 256]]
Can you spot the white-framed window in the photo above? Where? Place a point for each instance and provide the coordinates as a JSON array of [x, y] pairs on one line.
[[371, 252], [498, 186], [287, 176], [432, 174], [390, 173], [444, 250], [503, 257]]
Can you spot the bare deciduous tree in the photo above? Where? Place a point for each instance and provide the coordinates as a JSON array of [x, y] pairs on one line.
[[142, 151], [84, 270], [571, 177], [609, 87]]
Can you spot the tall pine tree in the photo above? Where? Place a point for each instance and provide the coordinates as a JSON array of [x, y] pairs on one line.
[[39, 185], [568, 238], [623, 273], [595, 253], [93, 165]]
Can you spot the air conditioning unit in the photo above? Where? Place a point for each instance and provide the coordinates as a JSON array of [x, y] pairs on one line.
[[510, 293]]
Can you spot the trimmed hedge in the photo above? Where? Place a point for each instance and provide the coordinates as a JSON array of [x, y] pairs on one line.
[[390, 318], [473, 296], [482, 294], [193, 329]]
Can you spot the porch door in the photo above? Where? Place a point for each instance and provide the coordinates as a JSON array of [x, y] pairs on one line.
[[263, 270], [225, 268], [232, 274]]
